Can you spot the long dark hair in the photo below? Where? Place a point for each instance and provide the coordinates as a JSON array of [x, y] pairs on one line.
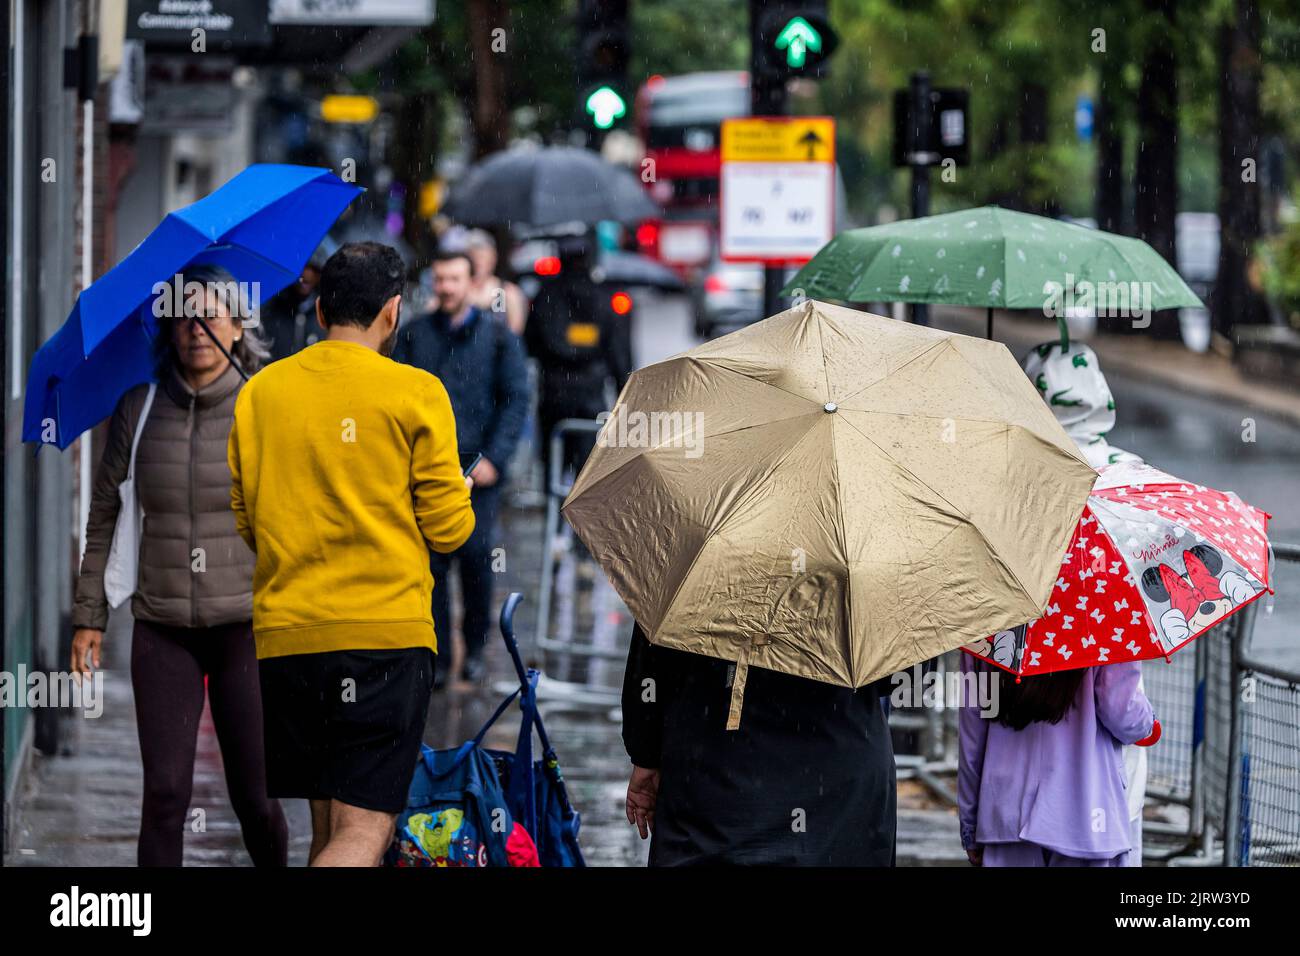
[[1047, 697], [249, 352]]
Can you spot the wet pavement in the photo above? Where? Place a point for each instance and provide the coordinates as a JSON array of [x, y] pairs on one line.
[[82, 807]]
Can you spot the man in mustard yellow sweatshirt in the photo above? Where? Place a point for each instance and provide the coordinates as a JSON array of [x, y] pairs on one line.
[[345, 473]]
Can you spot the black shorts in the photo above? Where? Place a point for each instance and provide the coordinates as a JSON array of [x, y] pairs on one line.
[[357, 742]]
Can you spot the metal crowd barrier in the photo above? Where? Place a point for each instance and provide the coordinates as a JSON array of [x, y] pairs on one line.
[[558, 633], [1173, 689], [934, 730], [1212, 788], [1231, 748], [1262, 797], [1229, 753], [1190, 695]]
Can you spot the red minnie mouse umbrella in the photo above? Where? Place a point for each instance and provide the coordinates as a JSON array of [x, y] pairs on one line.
[[1153, 563]]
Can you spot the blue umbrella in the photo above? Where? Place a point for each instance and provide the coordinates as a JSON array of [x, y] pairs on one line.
[[262, 226]]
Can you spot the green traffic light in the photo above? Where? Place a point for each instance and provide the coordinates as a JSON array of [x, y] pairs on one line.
[[605, 106], [798, 37]]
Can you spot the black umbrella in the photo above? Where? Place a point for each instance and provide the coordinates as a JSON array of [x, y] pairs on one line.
[[547, 186]]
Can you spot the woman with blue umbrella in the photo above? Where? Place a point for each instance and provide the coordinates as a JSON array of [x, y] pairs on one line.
[[164, 341], [193, 603]]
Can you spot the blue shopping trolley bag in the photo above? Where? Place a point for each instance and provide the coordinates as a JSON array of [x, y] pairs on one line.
[[473, 806]]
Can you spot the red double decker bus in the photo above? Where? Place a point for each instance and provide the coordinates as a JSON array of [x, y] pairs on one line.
[[679, 119]]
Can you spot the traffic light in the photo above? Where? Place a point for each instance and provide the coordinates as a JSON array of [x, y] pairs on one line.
[[792, 39], [603, 52], [946, 134], [605, 106]]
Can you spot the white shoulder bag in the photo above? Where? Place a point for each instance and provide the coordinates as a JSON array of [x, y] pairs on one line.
[[123, 565]]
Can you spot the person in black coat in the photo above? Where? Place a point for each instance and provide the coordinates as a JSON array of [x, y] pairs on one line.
[[580, 345], [289, 317], [807, 780]]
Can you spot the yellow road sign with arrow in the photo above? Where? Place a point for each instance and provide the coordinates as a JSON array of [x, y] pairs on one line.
[[784, 139]]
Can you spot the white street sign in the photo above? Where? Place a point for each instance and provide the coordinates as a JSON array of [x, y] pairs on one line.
[[776, 211]]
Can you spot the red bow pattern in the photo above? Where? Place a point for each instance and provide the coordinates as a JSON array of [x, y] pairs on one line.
[[1097, 613], [1188, 596]]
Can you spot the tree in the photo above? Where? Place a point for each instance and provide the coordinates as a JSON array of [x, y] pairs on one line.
[[1155, 200], [1024, 65], [1234, 299], [1111, 48], [489, 32], [1108, 129], [684, 36]]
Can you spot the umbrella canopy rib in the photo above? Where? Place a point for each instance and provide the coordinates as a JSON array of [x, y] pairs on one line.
[[892, 372], [946, 500], [720, 520]]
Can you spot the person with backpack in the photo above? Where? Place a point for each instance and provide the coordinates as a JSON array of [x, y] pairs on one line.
[[481, 362], [190, 578], [580, 345]]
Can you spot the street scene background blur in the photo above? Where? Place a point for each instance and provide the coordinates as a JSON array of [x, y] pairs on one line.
[[1170, 122]]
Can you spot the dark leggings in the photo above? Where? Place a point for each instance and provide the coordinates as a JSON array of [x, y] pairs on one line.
[[168, 667]]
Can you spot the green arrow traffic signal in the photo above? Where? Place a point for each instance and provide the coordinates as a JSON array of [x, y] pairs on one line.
[[605, 106], [797, 37]]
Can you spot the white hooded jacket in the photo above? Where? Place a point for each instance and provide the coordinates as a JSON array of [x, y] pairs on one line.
[[1071, 383]]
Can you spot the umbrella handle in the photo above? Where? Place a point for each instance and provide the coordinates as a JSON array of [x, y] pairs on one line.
[[215, 341]]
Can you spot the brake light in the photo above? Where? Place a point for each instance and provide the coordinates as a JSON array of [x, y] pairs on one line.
[[715, 283], [547, 266], [647, 235], [621, 303]]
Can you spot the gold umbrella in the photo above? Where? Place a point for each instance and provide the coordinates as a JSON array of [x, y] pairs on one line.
[[830, 494]]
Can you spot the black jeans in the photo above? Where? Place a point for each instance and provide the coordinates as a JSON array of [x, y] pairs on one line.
[[168, 667], [475, 559]]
